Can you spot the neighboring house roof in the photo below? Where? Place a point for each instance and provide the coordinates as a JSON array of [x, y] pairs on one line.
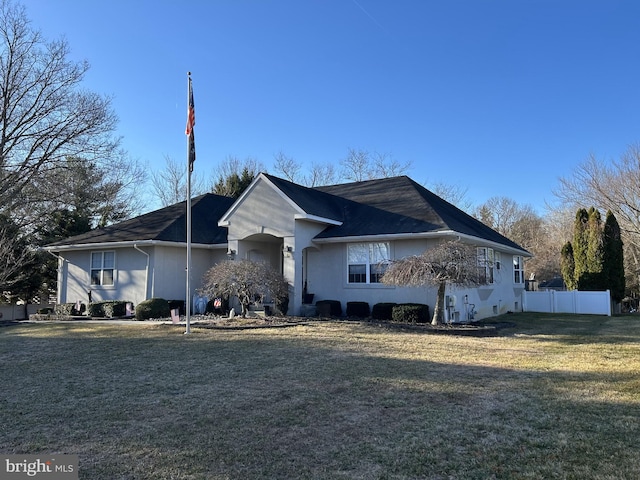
[[169, 224], [554, 283], [387, 206]]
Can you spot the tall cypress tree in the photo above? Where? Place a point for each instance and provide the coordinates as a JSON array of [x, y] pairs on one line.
[[583, 260], [591, 277], [613, 257], [580, 245], [567, 266]]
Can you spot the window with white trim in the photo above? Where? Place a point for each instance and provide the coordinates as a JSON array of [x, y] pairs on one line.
[[518, 269], [367, 262], [103, 267], [486, 264]]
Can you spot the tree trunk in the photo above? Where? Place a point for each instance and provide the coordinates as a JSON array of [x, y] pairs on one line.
[[438, 310]]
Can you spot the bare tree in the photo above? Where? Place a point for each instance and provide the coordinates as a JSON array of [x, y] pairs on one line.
[[454, 194], [356, 166], [542, 236], [508, 217], [386, 166], [287, 167], [321, 174], [245, 280], [170, 184], [449, 263], [44, 116], [361, 165]]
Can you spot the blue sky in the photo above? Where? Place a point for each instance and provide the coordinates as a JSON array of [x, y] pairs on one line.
[[499, 97]]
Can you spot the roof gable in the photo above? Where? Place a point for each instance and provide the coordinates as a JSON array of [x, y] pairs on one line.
[[312, 201]]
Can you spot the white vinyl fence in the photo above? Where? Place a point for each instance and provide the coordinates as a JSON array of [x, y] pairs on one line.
[[572, 301]]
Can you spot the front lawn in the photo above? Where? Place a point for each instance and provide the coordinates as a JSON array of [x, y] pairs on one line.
[[553, 397]]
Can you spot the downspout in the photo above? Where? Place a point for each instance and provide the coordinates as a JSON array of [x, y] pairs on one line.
[[146, 271]]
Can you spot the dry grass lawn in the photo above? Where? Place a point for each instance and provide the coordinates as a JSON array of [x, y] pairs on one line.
[[553, 397]]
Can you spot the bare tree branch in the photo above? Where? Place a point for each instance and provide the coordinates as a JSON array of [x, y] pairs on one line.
[[45, 116], [448, 263], [245, 280], [170, 184]]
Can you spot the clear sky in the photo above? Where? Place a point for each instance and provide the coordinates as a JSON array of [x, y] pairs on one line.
[[499, 97]]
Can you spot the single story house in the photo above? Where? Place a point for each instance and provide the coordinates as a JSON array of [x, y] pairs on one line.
[[328, 241]]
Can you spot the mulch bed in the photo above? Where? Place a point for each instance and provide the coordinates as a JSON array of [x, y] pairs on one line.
[[478, 329], [475, 329]]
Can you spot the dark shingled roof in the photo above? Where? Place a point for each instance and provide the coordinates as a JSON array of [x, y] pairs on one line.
[[396, 205], [388, 206], [168, 224], [310, 200]]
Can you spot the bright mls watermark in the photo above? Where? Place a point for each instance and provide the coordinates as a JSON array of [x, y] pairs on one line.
[[50, 467]]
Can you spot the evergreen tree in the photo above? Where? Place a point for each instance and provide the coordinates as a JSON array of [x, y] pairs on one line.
[[613, 257], [567, 266], [591, 276], [580, 245], [234, 184], [594, 260]]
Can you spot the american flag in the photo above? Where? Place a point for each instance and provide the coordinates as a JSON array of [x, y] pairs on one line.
[[191, 121], [191, 111]]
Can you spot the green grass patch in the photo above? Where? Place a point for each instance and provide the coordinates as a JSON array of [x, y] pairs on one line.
[[552, 397]]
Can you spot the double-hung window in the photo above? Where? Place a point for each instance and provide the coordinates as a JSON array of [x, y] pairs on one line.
[[367, 262], [103, 265], [486, 264], [518, 269]]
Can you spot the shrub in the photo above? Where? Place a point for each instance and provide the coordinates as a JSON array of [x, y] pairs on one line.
[[332, 307], [45, 311], [96, 309], [383, 311], [357, 309], [69, 309], [410, 313], [109, 309], [282, 304], [153, 308]]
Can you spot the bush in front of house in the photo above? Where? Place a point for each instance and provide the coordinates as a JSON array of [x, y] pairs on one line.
[[410, 313], [332, 308], [383, 310], [246, 280], [69, 309], [358, 309], [153, 308], [108, 309]]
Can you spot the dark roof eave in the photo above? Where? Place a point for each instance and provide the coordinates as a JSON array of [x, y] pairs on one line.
[[438, 234], [130, 243]]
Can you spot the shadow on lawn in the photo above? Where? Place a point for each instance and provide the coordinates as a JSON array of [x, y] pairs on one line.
[[160, 404]]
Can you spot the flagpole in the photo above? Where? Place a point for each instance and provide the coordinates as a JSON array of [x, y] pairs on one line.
[[187, 304]]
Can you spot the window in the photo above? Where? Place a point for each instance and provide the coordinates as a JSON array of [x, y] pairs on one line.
[[486, 264], [518, 269], [367, 262], [103, 268]]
